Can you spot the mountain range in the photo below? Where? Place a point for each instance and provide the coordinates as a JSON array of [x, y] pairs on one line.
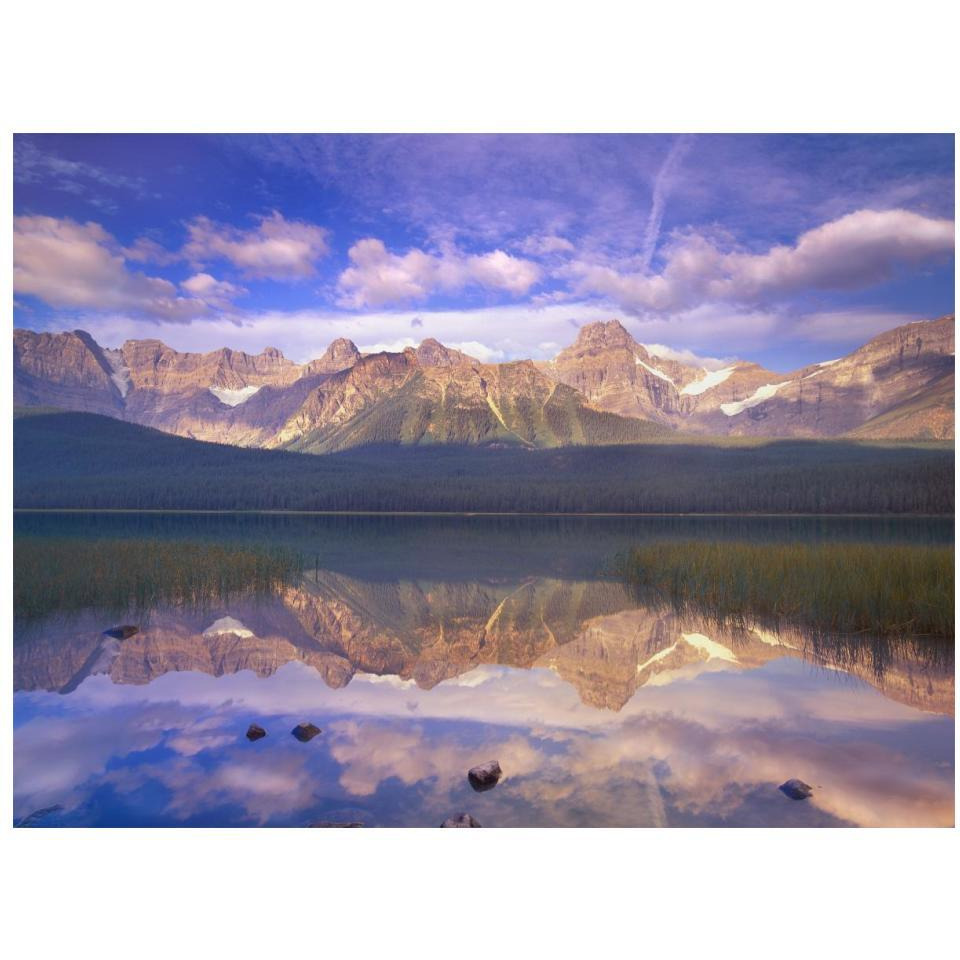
[[591, 634], [606, 388]]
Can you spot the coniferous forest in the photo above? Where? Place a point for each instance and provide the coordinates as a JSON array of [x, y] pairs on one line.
[[85, 461]]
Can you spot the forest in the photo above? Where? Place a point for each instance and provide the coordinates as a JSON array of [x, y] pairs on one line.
[[85, 461]]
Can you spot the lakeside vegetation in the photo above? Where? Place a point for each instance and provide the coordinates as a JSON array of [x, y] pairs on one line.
[[66, 575], [892, 591], [85, 461]]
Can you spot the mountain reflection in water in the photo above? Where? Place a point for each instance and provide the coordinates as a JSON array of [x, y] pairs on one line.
[[600, 710]]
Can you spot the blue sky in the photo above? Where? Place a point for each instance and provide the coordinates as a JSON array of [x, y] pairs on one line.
[[774, 248]]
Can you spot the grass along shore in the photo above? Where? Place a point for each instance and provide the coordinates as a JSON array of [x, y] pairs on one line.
[[887, 591], [65, 575]]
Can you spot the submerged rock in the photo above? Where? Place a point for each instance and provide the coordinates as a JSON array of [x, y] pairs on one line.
[[460, 820], [334, 823], [305, 731], [796, 789], [123, 632], [255, 732], [486, 776]]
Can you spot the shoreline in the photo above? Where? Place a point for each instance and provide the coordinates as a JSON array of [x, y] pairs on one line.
[[483, 513]]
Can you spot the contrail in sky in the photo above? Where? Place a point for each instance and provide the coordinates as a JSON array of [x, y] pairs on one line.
[[661, 190]]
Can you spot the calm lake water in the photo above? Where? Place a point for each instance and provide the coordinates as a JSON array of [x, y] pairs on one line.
[[424, 646]]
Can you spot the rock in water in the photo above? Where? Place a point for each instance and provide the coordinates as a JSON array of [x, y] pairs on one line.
[[255, 732], [486, 776], [461, 820], [797, 789], [124, 632], [305, 731], [335, 823]]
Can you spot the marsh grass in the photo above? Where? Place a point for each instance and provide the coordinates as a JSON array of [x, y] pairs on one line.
[[66, 575], [898, 593]]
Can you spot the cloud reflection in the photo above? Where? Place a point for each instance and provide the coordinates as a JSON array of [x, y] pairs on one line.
[[707, 749]]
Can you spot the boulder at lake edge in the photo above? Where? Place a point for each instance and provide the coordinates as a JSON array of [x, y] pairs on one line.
[[460, 820], [485, 776], [305, 731], [796, 789]]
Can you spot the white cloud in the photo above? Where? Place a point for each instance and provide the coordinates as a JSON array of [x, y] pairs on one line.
[[545, 244], [216, 293], [80, 266], [687, 356], [716, 328], [86, 180], [276, 248], [147, 250], [662, 184], [514, 332], [377, 277], [388, 346], [500, 271], [479, 351], [842, 326], [852, 252]]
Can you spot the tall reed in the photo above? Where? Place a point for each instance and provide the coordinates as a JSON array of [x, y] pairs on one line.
[[71, 574], [827, 588]]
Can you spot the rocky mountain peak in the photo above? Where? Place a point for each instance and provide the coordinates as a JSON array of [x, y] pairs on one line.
[[62, 369], [432, 353], [604, 334], [342, 349], [340, 355]]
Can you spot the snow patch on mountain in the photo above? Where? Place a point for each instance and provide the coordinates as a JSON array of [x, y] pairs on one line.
[[713, 650], [657, 656], [388, 680], [233, 398], [474, 678], [119, 373], [654, 371], [764, 636], [712, 379], [758, 396], [821, 367], [228, 625], [107, 652]]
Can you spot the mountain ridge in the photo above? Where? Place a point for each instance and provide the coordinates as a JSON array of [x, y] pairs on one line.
[[604, 388]]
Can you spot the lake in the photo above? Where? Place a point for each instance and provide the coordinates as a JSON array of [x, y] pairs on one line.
[[423, 646]]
